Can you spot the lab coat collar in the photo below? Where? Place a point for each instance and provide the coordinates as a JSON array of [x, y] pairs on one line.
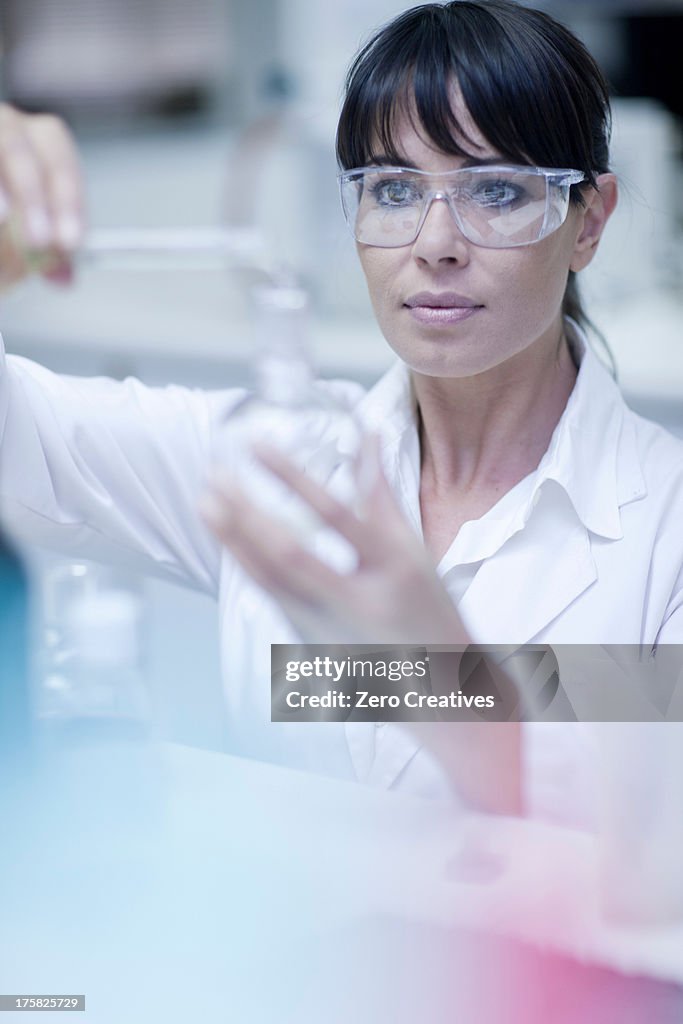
[[389, 407], [592, 454]]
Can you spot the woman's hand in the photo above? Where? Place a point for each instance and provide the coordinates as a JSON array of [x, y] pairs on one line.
[[41, 196], [393, 596]]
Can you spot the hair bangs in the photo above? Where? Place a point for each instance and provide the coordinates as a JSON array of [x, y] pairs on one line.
[[531, 101], [425, 104], [528, 84], [410, 77]]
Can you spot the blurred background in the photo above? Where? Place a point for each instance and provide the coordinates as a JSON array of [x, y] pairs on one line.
[[224, 110]]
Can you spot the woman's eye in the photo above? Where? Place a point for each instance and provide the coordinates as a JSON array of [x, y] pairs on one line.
[[496, 193], [395, 193]]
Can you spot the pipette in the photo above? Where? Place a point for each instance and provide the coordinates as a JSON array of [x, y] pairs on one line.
[[227, 248], [194, 248]]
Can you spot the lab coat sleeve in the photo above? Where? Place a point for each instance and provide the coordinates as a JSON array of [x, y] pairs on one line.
[[108, 470]]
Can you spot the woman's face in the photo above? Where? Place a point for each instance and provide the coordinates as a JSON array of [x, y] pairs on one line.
[[496, 303]]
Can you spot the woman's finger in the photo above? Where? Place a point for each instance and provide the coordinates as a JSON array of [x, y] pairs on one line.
[[63, 187], [372, 535], [13, 266], [270, 552], [21, 180], [41, 196]]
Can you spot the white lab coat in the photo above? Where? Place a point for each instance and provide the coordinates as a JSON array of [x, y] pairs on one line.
[[587, 549]]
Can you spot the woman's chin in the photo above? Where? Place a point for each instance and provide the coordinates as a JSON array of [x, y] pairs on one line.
[[444, 357]]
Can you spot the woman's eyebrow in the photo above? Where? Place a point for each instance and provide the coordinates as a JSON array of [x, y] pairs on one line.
[[486, 161], [384, 160]]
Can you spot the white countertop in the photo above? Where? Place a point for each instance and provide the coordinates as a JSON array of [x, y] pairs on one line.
[[524, 879], [259, 885]]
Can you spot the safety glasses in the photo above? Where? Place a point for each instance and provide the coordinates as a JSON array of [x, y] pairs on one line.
[[494, 206]]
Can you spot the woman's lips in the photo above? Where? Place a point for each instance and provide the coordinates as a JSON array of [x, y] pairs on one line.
[[441, 308], [442, 314]]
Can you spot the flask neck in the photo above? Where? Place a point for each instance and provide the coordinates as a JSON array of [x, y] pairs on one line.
[[282, 377], [283, 368]]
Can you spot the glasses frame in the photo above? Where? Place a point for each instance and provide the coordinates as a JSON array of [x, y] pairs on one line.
[[560, 177]]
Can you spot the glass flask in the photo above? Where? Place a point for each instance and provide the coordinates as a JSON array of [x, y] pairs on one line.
[[301, 417]]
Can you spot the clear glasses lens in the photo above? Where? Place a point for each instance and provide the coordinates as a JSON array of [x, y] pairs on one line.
[[496, 207]]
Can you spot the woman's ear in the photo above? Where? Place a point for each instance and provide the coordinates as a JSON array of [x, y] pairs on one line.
[[600, 203]]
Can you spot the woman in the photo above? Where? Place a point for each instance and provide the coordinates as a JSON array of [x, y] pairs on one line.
[[516, 497]]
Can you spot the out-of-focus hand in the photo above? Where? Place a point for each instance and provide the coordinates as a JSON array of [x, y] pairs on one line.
[[41, 196], [393, 595]]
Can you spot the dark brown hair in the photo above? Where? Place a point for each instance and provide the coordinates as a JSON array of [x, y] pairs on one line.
[[530, 85]]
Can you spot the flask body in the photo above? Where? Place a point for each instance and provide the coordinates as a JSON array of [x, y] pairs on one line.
[[97, 753], [318, 436], [300, 417]]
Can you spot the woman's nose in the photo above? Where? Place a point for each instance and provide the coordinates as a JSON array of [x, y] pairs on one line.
[[440, 238]]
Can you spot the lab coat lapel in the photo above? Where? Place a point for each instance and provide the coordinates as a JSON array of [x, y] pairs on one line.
[[535, 575]]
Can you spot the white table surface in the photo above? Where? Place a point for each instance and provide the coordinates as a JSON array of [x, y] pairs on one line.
[[268, 895], [397, 856]]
